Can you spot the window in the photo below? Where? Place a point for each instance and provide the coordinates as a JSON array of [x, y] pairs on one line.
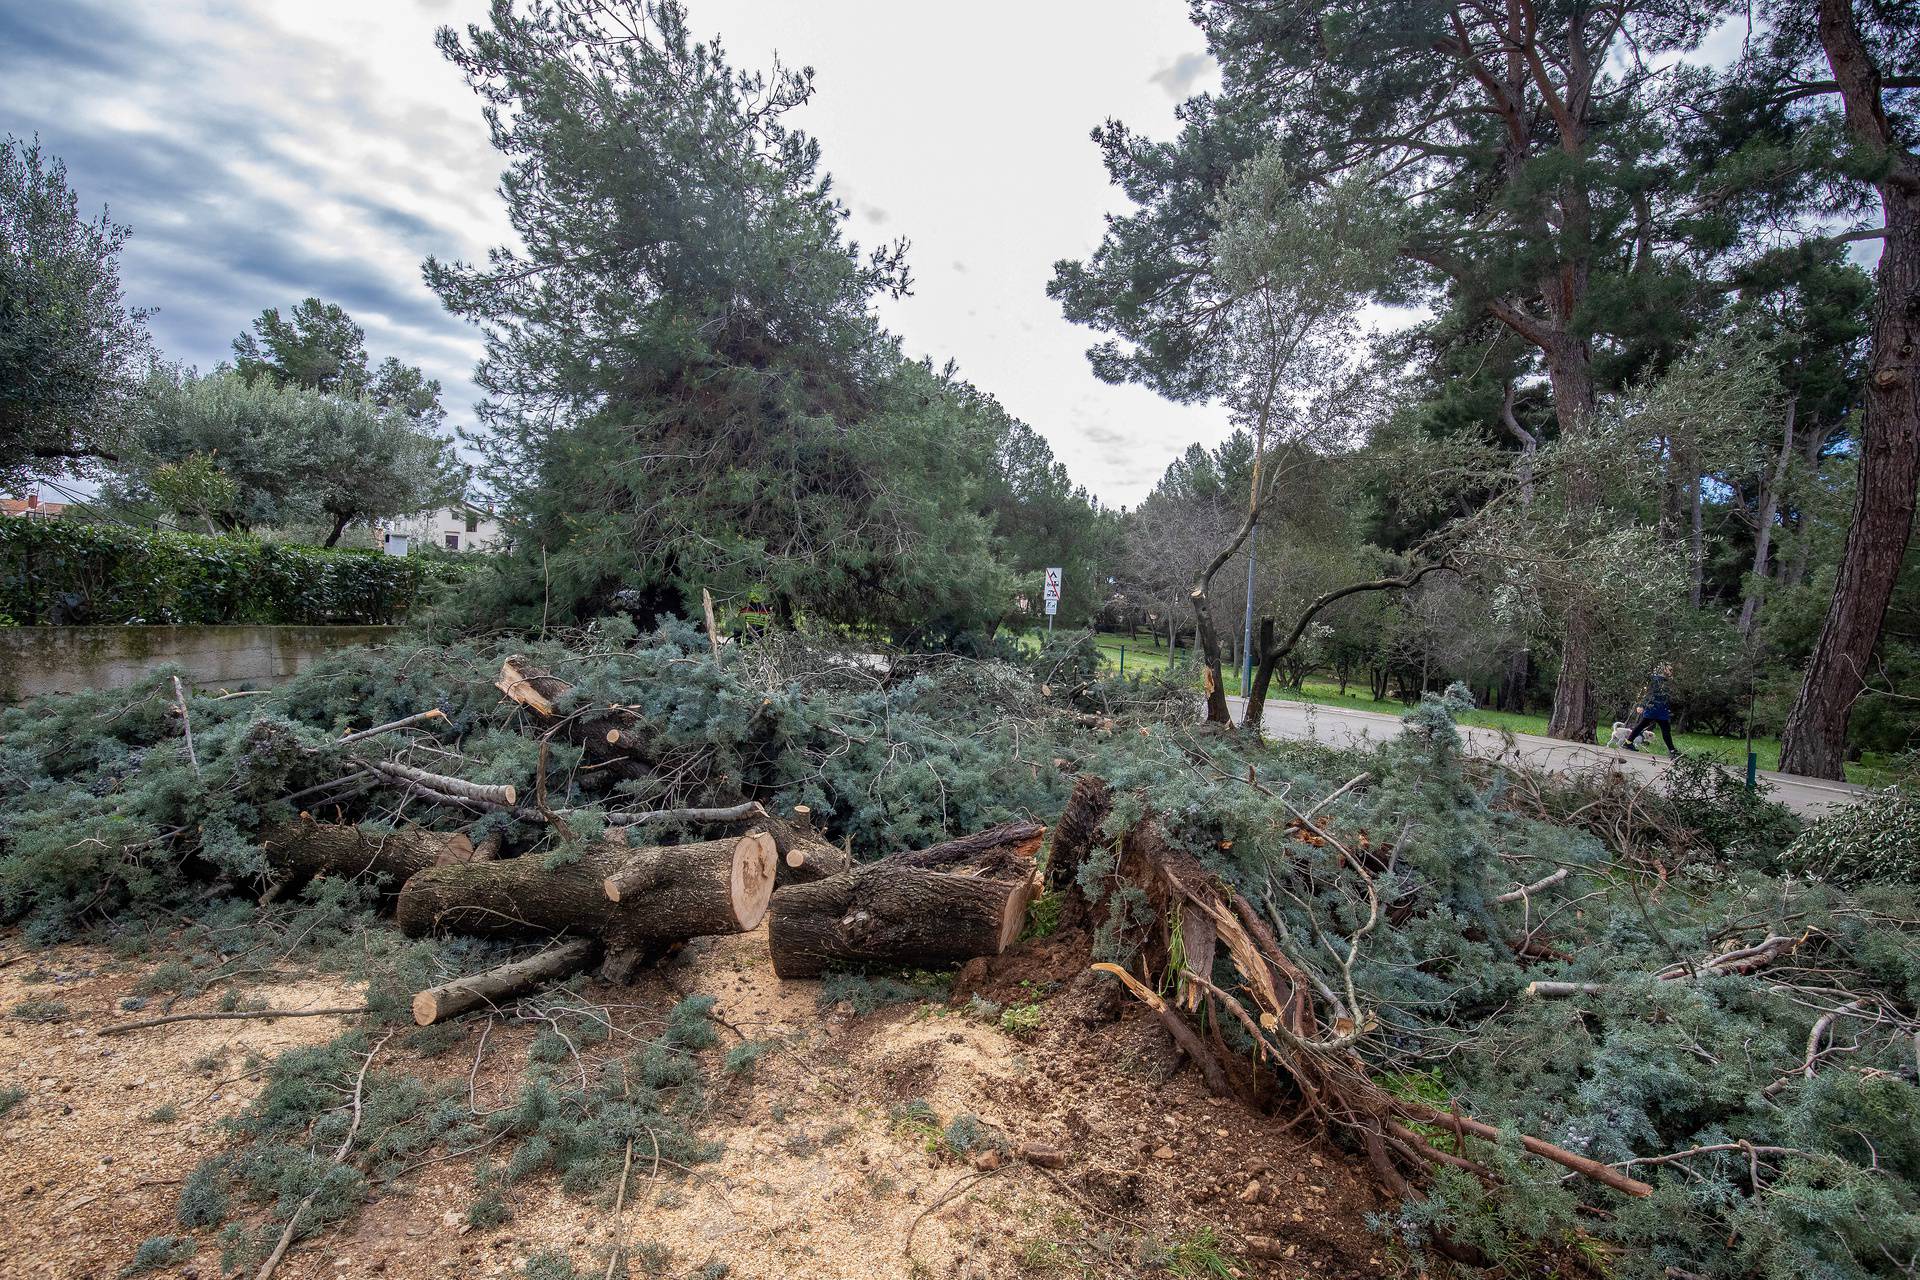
[[453, 541], [473, 523]]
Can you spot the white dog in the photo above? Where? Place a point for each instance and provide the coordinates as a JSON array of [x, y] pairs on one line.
[[1618, 738]]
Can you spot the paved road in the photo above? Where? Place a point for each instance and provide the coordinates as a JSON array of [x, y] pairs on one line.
[[1339, 726]]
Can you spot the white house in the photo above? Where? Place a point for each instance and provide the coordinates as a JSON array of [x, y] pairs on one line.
[[463, 526]]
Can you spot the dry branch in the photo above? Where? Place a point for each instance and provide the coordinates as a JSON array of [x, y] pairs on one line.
[[451, 999], [121, 1028]]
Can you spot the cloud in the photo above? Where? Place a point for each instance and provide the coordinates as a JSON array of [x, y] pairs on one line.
[[255, 167], [1105, 436], [874, 213], [1180, 77], [959, 266]]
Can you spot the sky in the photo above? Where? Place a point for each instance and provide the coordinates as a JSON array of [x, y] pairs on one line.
[[263, 152]]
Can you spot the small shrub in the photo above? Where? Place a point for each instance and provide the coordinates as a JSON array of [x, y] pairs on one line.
[[743, 1057], [550, 1264], [1022, 1021], [158, 1252], [11, 1097], [963, 1134], [865, 994], [983, 1009], [1043, 916], [488, 1212], [652, 1258], [165, 1113], [172, 975], [39, 1011], [1199, 1256]]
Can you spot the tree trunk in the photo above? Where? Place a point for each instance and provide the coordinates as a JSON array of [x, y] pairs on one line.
[[1696, 543], [638, 898], [1513, 681], [1570, 371], [1814, 741], [879, 914], [339, 527], [451, 999], [1767, 506], [299, 851]]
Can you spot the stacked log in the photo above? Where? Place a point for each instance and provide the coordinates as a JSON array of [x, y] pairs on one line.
[[927, 909], [640, 898]]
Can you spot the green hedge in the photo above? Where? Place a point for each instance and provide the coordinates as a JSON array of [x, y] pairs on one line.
[[61, 571]]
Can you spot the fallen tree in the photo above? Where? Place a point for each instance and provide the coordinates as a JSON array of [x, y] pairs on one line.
[[927, 909], [1305, 1032]]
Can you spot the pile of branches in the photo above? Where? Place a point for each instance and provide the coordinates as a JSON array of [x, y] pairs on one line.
[[1536, 1044], [127, 797]]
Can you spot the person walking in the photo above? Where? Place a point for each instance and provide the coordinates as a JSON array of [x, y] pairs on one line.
[[1655, 708]]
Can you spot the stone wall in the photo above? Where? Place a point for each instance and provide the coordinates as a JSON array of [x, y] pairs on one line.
[[35, 660]]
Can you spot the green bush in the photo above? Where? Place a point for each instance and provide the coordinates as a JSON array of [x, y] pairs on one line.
[[65, 571], [1876, 839]]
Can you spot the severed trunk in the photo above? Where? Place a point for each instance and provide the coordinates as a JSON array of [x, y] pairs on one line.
[[886, 915], [641, 899], [1814, 742], [926, 909]]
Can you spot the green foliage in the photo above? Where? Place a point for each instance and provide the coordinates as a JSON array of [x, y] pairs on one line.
[[71, 352], [39, 1011], [745, 1056], [1022, 1021], [865, 993], [792, 455], [158, 1252], [1730, 819], [1199, 1255], [1877, 838], [551, 1264], [67, 571], [234, 454], [11, 1096]]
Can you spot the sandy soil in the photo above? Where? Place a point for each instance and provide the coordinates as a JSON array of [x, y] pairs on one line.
[[817, 1181]]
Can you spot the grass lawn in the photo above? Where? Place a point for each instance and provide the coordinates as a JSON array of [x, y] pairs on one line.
[[1141, 656]]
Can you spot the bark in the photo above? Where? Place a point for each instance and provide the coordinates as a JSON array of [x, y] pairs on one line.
[[451, 999], [1077, 831], [1814, 742], [880, 914], [668, 893], [1766, 507], [339, 527], [299, 851], [1272, 655]]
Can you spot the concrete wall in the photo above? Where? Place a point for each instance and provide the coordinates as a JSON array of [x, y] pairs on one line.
[[35, 660]]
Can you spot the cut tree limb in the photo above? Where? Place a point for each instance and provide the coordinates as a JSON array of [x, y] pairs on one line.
[[301, 850], [459, 788], [667, 893], [451, 999]]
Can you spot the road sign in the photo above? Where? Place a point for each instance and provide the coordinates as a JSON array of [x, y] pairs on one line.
[[1053, 587], [1053, 606]]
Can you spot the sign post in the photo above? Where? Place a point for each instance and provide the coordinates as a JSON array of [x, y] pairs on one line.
[[1052, 596]]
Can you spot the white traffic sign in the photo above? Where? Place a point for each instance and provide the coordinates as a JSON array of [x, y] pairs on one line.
[[1052, 592], [1053, 606]]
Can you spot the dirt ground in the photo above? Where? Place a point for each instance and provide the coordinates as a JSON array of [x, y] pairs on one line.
[[819, 1180]]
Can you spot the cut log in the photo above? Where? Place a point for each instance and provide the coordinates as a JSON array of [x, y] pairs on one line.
[[667, 893], [299, 851], [498, 797], [451, 999], [607, 734], [882, 914], [1009, 847], [804, 855]]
